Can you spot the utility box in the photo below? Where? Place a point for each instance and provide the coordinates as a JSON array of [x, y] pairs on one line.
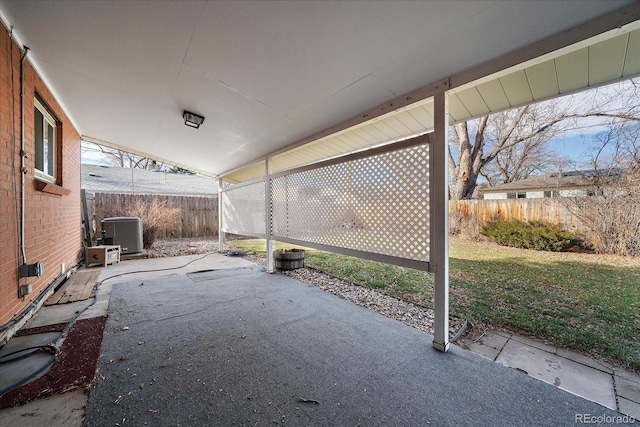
[[123, 231], [103, 255]]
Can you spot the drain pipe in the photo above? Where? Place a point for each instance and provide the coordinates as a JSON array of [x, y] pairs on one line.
[[23, 159]]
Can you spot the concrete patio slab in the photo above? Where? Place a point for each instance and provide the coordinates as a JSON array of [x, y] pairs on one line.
[[628, 389], [99, 305], [531, 342], [254, 348], [53, 314], [629, 408], [58, 410], [584, 360], [489, 344], [563, 373], [632, 376]]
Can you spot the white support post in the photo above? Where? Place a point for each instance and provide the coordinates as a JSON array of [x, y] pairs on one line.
[[220, 232], [267, 215], [439, 253]]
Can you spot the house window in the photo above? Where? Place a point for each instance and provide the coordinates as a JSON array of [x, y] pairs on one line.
[[522, 195], [45, 140], [548, 194]]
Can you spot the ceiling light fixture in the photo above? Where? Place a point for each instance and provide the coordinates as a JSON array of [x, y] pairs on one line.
[[192, 120]]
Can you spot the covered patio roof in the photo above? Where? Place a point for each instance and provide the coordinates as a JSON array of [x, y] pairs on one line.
[[299, 82], [287, 84]]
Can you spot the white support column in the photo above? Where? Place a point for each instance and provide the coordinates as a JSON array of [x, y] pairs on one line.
[[267, 215], [439, 253], [220, 232]]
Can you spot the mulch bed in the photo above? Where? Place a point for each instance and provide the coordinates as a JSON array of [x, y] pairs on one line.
[[74, 367]]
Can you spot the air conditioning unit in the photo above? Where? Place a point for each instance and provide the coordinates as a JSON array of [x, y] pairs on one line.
[[123, 231]]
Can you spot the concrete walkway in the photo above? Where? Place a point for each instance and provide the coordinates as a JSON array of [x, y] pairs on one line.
[[576, 373], [219, 342]]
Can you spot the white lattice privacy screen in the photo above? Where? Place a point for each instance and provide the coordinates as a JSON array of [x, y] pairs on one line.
[[243, 208], [377, 205]]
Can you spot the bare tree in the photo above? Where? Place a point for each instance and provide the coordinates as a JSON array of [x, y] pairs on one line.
[[523, 152], [501, 147], [610, 217], [512, 145], [123, 159], [619, 145]]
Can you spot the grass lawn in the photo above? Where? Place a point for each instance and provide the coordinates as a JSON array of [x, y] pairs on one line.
[[582, 301]]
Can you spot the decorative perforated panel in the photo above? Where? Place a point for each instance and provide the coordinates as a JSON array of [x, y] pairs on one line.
[[377, 204], [243, 209]]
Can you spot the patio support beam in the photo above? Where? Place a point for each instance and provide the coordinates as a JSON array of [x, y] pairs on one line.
[[220, 232], [267, 215], [439, 233]]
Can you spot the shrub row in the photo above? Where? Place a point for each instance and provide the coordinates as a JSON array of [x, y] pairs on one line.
[[540, 236]]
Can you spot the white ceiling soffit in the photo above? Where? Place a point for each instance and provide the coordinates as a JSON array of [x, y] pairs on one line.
[[264, 74], [604, 59], [600, 60]]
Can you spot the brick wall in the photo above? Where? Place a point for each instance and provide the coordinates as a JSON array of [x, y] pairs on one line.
[[52, 222]]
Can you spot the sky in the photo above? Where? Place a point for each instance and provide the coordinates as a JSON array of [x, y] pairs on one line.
[[579, 142], [576, 148]]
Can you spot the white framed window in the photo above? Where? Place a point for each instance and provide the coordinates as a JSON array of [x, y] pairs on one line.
[[45, 140]]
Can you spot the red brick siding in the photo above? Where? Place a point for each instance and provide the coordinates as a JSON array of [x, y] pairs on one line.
[[52, 223]]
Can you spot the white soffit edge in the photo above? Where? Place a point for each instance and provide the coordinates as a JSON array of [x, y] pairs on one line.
[[603, 59]]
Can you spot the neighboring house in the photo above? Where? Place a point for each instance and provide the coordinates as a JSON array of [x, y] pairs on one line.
[[104, 179], [557, 184], [40, 219]]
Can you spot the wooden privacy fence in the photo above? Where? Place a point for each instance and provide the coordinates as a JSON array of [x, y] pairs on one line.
[[190, 216], [197, 216], [474, 213]]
